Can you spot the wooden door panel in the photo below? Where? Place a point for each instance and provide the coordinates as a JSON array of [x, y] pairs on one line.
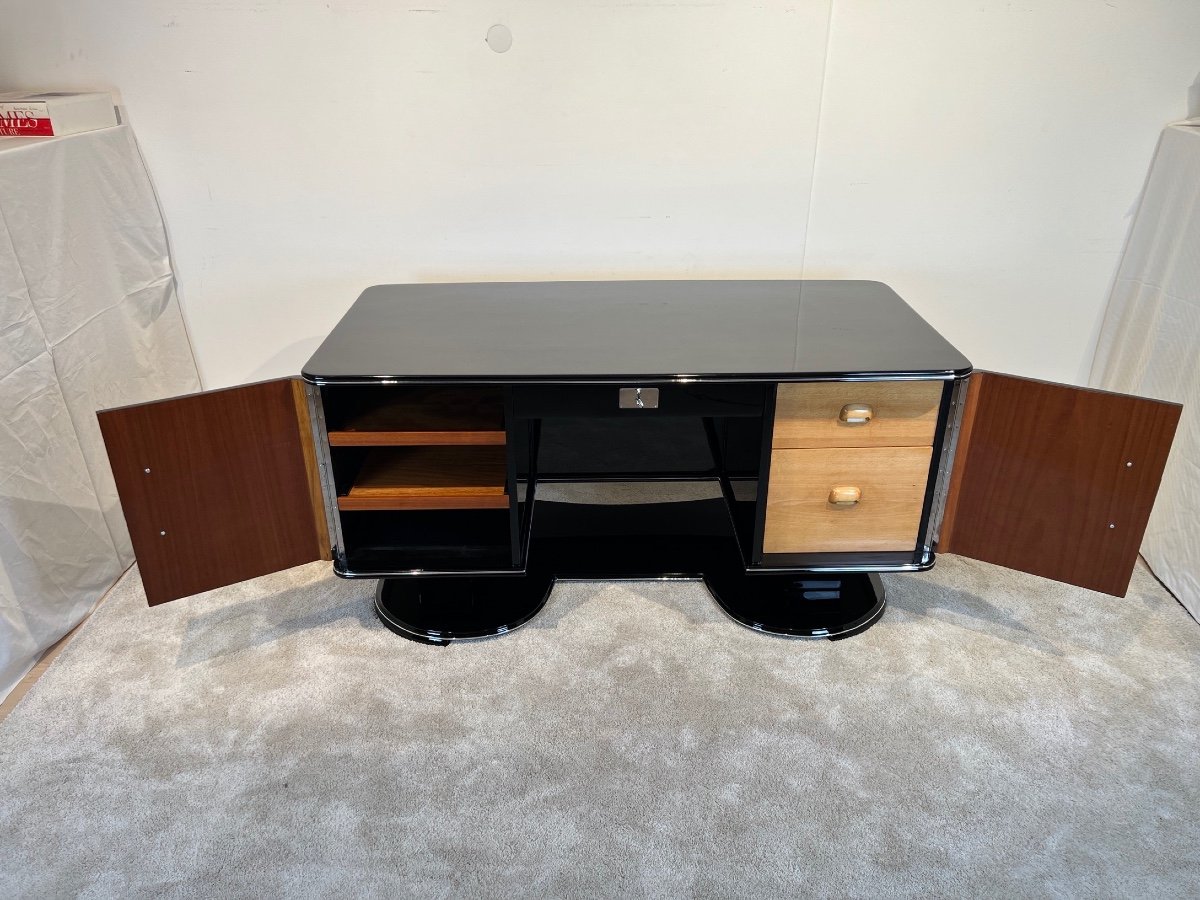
[[216, 487], [1056, 480]]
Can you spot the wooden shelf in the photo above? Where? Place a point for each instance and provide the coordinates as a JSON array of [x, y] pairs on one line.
[[429, 478], [424, 417]]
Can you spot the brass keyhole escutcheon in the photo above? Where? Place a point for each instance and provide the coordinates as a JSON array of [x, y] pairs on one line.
[[637, 398]]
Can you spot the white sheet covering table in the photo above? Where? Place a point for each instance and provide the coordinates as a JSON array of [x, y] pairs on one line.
[[1150, 345], [89, 320]]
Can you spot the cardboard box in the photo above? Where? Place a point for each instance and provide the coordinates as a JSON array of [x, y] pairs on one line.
[[53, 114]]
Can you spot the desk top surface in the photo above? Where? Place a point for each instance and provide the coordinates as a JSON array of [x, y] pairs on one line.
[[631, 330]]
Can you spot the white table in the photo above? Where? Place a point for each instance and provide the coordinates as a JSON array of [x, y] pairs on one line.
[[1150, 345], [88, 319]]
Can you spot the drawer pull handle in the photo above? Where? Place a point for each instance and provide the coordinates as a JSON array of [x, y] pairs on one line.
[[856, 414], [845, 496]]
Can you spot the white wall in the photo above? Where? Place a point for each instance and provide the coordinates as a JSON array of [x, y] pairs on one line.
[[981, 158], [305, 150], [985, 159]]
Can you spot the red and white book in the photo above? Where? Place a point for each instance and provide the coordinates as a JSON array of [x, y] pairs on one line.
[[49, 115]]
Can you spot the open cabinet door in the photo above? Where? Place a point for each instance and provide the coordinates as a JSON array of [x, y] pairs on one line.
[[1055, 480], [217, 487]]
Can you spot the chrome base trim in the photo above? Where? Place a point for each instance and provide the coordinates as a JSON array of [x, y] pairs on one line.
[[925, 565], [342, 572]]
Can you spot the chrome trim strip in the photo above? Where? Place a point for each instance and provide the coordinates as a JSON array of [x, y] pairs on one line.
[[340, 570], [926, 546], [385, 380], [316, 415], [925, 564], [623, 579], [945, 465]]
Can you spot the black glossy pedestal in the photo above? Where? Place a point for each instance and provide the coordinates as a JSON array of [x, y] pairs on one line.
[[691, 539], [806, 606], [438, 609]]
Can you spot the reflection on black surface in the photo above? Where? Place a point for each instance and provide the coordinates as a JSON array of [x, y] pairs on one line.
[[630, 329], [593, 541]]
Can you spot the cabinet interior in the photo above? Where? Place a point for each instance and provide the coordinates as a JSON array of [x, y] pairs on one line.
[[421, 476], [443, 478]]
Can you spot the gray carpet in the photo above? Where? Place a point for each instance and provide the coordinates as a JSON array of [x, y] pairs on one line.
[[995, 734]]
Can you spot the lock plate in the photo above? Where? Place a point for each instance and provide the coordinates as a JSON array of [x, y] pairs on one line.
[[637, 398]]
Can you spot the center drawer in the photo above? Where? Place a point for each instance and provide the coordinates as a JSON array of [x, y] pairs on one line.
[[845, 499], [716, 399]]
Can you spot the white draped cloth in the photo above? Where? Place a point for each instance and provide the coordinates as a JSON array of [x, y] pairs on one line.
[[1150, 345], [89, 320]]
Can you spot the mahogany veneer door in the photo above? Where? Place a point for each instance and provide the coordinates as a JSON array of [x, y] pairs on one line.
[[217, 487], [1054, 480]]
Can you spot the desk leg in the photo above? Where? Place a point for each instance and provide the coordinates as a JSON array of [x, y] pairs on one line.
[[832, 606], [438, 609]]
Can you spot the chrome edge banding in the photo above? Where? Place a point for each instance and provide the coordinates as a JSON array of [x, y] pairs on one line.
[[316, 416], [781, 378], [946, 465]]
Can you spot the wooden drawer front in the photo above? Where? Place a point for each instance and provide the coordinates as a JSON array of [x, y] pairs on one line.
[[801, 518], [903, 413]]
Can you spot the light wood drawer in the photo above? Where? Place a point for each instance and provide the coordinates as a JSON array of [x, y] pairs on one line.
[[891, 484], [902, 413]]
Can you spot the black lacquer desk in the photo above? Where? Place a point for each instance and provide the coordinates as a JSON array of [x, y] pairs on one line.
[[790, 438], [785, 441]]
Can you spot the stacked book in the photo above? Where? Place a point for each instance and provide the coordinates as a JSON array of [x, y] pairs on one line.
[[53, 114]]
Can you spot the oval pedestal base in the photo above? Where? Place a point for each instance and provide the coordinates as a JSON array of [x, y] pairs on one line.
[[830, 606], [440, 609]]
